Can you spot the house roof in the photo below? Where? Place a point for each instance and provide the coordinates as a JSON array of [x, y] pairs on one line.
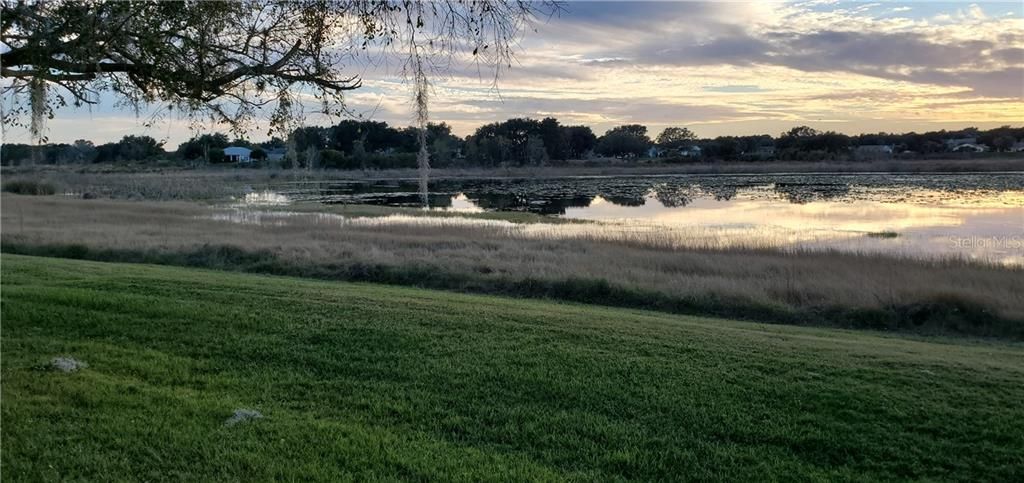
[[237, 150]]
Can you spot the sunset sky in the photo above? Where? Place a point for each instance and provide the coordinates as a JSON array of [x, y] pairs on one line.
[[719, 68]]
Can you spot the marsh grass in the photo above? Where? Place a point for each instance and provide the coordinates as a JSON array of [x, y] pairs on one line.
[[494, 256], [29, 187]]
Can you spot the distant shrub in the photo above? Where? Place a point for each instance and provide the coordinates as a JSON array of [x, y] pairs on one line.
[[330, 158], [29, 187], [217, 156]]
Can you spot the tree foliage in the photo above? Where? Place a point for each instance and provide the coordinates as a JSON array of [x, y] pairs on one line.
[[227, 60], [626, 140], [675, 137]]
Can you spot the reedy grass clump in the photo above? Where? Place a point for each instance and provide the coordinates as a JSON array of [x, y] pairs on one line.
[[29, 187]]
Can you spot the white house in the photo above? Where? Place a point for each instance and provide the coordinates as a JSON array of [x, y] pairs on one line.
[[953, 144], [238, 154], [970, 148]]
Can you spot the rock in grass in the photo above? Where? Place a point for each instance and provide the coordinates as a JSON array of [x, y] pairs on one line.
[[67, 364], [242, 416]]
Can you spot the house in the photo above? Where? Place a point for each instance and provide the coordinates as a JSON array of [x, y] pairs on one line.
[[874, 151], [953, 144], [655, 152], [237, 154], [690, 152], [1017, 147], [970, 148]]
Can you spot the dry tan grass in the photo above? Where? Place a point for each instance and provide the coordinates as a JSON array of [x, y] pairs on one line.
[[493, 249]]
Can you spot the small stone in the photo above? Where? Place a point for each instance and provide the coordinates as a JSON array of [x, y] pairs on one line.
[[242, 416], [67, 364]]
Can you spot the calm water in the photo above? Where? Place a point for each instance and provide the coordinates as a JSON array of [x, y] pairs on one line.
[[979, 216]]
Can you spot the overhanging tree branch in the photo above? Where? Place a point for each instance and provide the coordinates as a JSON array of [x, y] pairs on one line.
[[227, 59]]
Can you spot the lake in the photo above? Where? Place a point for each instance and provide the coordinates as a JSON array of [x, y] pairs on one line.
[[975, 216]]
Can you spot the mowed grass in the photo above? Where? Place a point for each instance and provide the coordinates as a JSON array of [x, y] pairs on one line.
[[367, 382]]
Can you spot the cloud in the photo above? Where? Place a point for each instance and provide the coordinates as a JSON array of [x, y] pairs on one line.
[[925, 53], [727, 67]]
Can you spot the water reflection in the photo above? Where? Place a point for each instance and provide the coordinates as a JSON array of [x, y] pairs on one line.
[[921, 215]]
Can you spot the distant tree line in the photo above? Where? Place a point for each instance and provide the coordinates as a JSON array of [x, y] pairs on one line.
[[354, 144]]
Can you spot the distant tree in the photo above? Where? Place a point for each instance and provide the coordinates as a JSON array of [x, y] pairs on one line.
[[833, 142], [554, 139], [198, 146], [374, 135], [107, 153], [15, 154], [258, 154], [274, 143], [675, 138], [85, 150], [580, 141], [635, 130], [801, 132], [506, 141], [443, 144], [805, 143], [722, 147], [311, 137], [129, 148], [630, 139], [1003, 143], [216, 156], [139, 148]]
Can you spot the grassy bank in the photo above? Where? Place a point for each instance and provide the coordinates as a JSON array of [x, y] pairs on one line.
[[826, 289], [939, 314], [369, 382]]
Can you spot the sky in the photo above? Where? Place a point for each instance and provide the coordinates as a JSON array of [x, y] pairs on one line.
[[719, 68]]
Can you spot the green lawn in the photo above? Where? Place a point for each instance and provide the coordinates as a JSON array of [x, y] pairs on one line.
[[361, 382]]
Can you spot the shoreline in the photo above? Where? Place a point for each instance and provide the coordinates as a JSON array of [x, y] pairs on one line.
[[573, 169]]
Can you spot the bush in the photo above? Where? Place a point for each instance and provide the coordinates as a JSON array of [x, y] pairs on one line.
[[330, 158], [29, 187], [217, 156]]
